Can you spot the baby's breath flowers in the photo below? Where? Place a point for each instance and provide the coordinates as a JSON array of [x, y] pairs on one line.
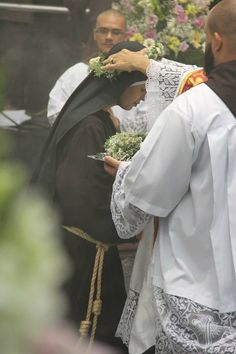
[[123, 146], [154, 50]]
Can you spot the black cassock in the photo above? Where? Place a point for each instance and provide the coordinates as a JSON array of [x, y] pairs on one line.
[[83, 193], [82, 190]]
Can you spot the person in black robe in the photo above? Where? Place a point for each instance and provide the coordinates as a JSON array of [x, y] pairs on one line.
[[81, 189]]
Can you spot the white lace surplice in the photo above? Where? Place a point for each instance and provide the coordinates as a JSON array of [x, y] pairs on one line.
[[164, 78], [197, 200], [136, 325]]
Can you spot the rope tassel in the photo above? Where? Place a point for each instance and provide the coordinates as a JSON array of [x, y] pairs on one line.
[[94, 309]]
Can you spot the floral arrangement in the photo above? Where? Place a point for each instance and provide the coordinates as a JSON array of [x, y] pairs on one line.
[[123, 146], [154, 50], [32, 262], [178, 24]]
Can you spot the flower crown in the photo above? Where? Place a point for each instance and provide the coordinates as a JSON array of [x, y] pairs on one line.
[[154, 50]]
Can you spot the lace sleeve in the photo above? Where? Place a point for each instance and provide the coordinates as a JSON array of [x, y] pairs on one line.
[[135, 120], [128, 219], [164, 79]]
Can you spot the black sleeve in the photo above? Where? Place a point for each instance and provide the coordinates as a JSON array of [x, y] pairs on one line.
[[83, 188]]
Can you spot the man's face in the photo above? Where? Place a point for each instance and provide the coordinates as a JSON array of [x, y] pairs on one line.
[[109, 30], [209, 61]]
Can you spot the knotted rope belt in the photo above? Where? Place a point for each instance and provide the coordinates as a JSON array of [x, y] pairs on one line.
[[89, 325]]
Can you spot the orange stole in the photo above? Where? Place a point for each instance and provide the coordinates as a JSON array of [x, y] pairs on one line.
[[192, 79]]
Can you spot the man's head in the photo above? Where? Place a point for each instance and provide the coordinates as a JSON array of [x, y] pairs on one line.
[[220, 31], [110, 29]]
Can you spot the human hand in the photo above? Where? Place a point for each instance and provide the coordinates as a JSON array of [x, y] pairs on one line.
[[126, 60], [111, 165]]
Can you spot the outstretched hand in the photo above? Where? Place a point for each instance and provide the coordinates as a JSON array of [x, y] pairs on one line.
[[126, 60], [111, 165]]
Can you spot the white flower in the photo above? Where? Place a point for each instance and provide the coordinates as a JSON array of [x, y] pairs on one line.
[[93, 61], [149, 42], [123, 146]]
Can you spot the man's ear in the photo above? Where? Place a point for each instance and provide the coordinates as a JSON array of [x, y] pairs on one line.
[[94, 34], [217, 42]]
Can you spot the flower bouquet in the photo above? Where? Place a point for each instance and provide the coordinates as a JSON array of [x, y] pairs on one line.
[[123, 146]]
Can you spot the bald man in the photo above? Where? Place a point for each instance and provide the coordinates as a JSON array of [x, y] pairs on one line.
[[110, 29], [185, 174]]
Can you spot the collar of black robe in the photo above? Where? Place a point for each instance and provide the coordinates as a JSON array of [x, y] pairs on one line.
[[92, 95], [222, 80]]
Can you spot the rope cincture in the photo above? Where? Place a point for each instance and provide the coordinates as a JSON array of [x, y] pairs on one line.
[[94, 309]]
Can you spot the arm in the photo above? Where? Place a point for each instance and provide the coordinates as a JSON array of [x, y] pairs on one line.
[[164, 79], [126, 60], [128, 219], [159, 174], [83, 187]]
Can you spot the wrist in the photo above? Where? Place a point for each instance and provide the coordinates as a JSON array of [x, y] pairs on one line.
[[141, 64]]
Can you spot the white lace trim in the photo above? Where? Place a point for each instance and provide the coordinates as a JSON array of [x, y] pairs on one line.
[[164, 78], [185, 326], [127, 317], [135, 120], [128, 219]]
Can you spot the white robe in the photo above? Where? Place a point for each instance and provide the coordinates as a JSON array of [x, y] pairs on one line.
[[185, 173]]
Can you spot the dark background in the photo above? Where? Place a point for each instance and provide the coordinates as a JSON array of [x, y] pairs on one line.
[[35, 49]]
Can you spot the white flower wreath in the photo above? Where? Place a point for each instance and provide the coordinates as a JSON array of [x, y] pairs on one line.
[[154, 50]]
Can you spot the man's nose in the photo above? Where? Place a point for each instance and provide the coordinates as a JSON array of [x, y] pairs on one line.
[[109, 35]]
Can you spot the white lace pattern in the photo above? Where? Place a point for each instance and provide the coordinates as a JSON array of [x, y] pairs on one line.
[[188, 327], [128, 219], [164, 79], [126, 322]]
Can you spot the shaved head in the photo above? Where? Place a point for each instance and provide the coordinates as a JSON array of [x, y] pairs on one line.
[[222, 18], [220, 31], [112, 13], [110, 29]]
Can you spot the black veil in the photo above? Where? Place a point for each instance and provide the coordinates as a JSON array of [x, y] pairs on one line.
[[89, 97]]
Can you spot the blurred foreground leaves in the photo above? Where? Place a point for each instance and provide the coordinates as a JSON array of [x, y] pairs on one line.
[[32, 262]]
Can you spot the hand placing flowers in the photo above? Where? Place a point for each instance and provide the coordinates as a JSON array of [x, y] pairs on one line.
[[127, 60]]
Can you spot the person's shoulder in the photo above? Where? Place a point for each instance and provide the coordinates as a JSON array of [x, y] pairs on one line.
[[190, 102], [199, 106], [78, 68], [92, 121]]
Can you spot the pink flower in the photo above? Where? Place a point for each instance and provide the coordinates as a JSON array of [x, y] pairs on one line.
[[151, 34], [127, 5], [181, 16], [198, 21], [132, 30], [152, 20], [183, 46]]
